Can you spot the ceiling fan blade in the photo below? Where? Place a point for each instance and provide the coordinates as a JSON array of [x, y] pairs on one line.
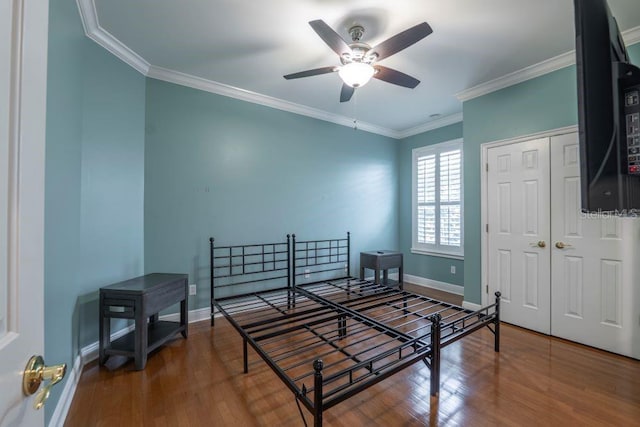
[[401, 41], [395, 77], [330, 37], [309, 73], [346, 93]]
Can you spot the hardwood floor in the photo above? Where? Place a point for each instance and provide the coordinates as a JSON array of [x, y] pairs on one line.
[[535, 380]]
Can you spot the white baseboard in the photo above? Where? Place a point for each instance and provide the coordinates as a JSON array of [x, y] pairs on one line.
[[434, 284], [62, 408], [193, 315], [471, 306], [442, 286], [89, 353]]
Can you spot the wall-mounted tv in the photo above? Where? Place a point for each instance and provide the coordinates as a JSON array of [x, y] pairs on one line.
[[608, 113]]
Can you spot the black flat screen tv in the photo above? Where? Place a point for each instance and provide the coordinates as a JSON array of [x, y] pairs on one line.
[[608, 113]]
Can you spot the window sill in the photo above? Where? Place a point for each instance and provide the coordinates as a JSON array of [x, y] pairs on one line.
[[437, 254]]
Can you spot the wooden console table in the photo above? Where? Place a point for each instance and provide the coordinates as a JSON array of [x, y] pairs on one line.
[[141, 299], [382, 260]]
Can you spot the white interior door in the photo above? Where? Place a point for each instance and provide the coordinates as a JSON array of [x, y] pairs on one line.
[[23, 71], [518, 212], [595, 289]]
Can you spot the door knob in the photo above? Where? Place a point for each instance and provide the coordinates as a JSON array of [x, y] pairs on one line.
[[562, 245], [539, 243], [35, 373]]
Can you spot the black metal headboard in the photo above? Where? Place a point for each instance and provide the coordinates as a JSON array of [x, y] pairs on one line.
[[314, 260], [245, 269]]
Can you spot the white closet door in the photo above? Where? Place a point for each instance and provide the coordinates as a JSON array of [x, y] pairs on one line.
[[595, 288], [518, 245]]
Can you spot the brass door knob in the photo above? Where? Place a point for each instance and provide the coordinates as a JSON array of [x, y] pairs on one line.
[[562, 245], [540, 244], [35, 373]]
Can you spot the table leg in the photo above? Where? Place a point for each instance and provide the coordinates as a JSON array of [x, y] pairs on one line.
[[361, 273], [183, 317], [105, 333], [385, 277], [141, 338]]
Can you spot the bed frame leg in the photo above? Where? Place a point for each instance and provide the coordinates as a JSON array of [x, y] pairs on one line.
[[435, 354], [317, 393], [244, 354], [212, 279], [497, 323]]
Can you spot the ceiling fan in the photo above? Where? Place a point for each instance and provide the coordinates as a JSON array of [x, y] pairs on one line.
[[359, 60]]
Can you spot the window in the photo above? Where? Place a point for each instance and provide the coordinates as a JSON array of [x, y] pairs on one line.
[[437, 225]]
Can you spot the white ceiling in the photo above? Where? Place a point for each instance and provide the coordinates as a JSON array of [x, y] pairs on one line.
[[243, 48]]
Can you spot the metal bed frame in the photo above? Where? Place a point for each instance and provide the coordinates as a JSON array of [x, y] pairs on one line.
[[328, 339]]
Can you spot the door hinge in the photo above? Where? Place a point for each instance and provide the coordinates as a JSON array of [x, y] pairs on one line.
[[486, 227], [486, 167], [487, 289]]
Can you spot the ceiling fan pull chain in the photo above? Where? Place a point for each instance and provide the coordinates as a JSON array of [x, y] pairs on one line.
[[355, 110]]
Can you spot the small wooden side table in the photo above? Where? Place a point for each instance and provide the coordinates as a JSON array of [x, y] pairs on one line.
[[382, 260], [141, 299]]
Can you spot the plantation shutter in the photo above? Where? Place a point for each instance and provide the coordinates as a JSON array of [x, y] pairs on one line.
[[438, 198]]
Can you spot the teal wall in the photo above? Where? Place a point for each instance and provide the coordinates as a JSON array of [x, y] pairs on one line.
[[94, 183], [244, 173], [431, 267], [544, 103]]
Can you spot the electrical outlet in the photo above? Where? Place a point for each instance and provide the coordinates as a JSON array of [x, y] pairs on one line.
[[193, 289], [306, 273], [453, 269]]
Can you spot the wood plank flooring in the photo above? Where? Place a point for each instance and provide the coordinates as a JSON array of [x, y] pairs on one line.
[[534, 381]]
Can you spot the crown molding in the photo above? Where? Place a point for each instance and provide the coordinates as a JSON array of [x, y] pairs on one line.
[[630, 36], [93, 30], [188, 80], [433, 124], [535, 70]]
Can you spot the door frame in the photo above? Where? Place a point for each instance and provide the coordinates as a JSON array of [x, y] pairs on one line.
[[484, 183]]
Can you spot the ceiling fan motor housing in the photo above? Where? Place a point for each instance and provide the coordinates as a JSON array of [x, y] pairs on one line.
[[359, 53], [359, 49]]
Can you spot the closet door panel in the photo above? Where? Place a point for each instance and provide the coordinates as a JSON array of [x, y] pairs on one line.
[[518, 212], [595, 292]]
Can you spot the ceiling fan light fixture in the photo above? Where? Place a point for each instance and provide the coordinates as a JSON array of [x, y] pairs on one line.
[[356, 74]]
